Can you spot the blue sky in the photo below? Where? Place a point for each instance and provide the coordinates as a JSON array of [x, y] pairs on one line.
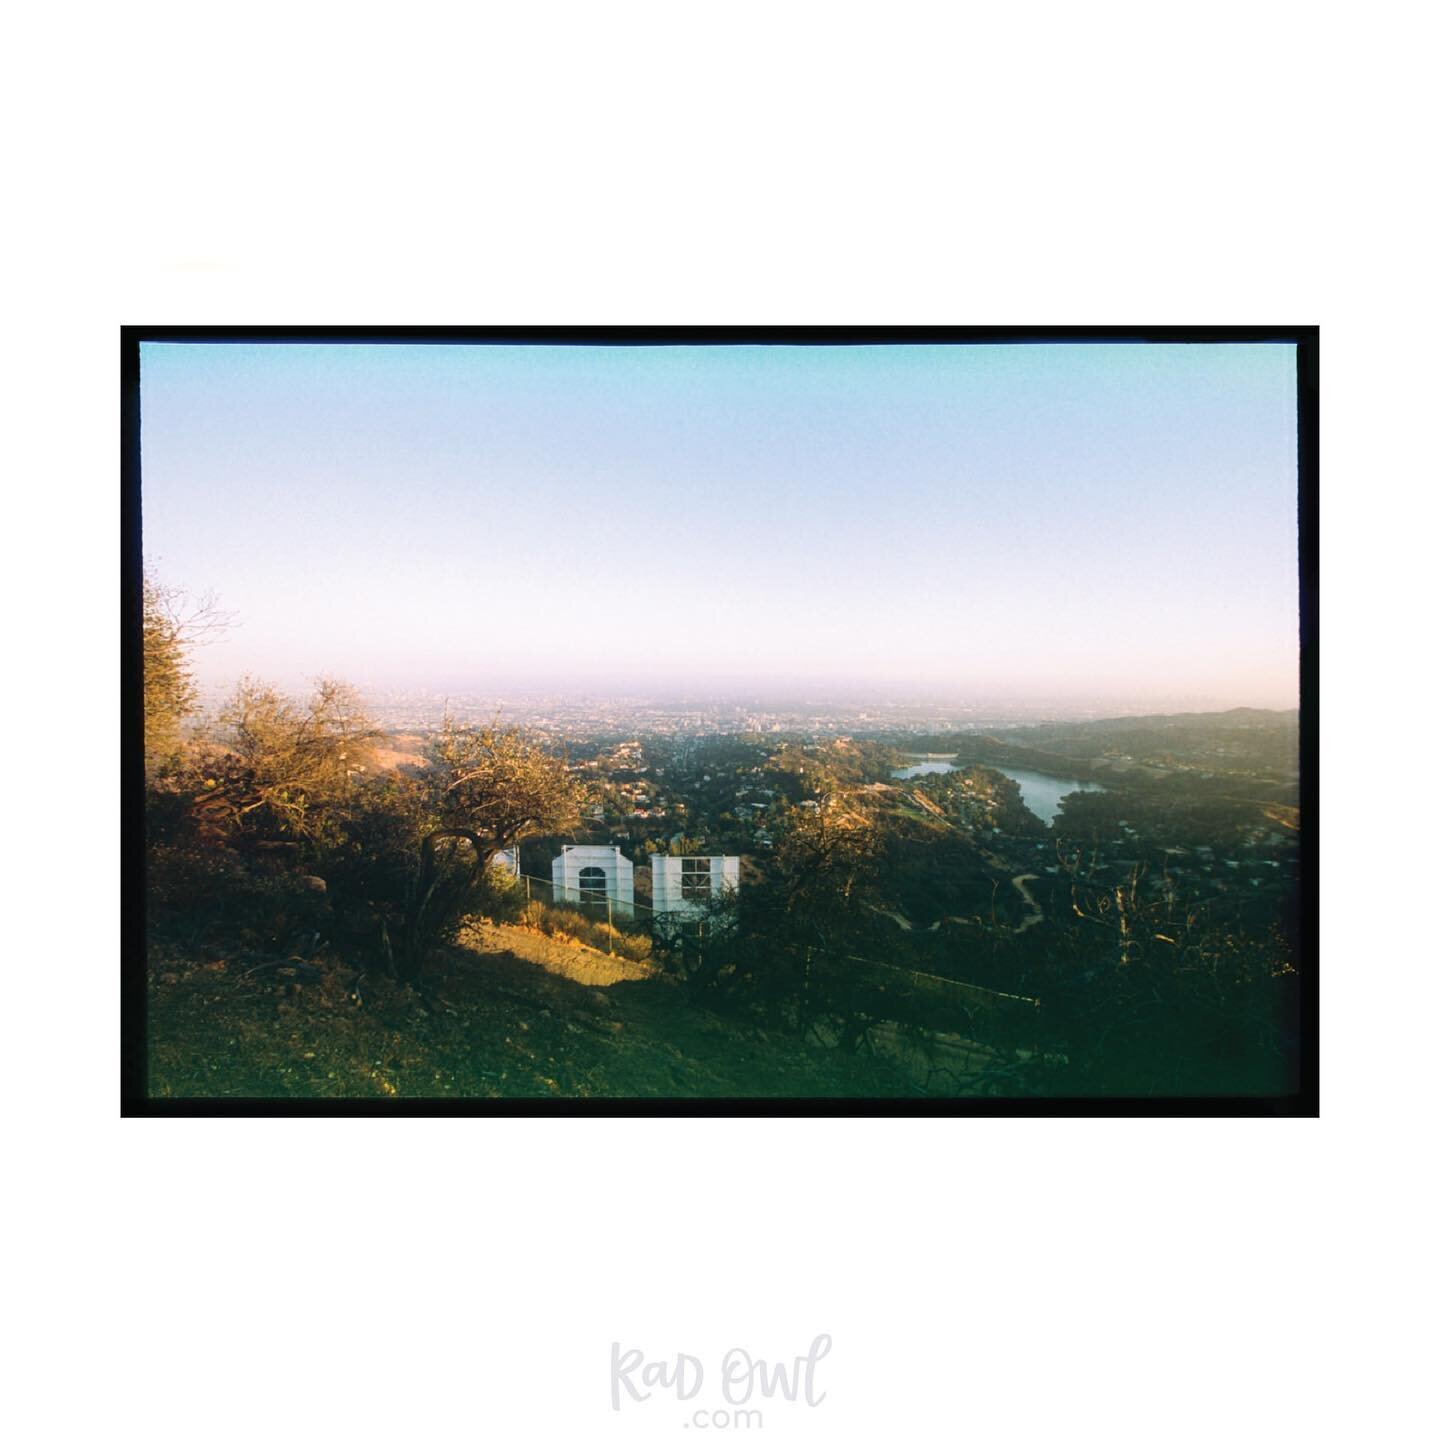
[[1095, 524]]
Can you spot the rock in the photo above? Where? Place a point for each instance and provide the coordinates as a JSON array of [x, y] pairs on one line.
[[313, 882]]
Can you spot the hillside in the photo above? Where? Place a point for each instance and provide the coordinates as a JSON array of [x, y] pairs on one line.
[[508, 1012]]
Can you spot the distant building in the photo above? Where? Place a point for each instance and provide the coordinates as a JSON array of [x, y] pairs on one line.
[[683, 886], [593, 875]]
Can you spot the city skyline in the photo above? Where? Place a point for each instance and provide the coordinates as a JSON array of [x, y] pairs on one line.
[[1075, 525]]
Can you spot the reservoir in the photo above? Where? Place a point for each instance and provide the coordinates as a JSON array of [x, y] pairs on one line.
[[1040, 794], [927, 767]]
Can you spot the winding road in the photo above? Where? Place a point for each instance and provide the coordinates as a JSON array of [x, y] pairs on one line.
[[1036, 914]]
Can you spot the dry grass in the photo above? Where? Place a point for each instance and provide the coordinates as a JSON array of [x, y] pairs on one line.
[[508, 1013]]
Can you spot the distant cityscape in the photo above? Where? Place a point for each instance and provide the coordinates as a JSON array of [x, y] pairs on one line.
[[580, 716]]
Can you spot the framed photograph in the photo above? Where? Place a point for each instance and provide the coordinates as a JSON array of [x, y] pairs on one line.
[[793, 721]]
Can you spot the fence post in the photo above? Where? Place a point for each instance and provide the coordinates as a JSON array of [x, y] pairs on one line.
[[609, 923]]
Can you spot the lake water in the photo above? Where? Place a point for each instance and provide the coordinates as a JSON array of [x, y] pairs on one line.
[[1040, 794], [928, 767]]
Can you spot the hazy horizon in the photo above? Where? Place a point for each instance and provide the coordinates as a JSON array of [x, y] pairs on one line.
[[1064, 525], [951, 709]]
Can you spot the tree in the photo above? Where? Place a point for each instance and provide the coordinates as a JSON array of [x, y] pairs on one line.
[[488, 788], [787, 951], [281, 765], [495, 786], [824, 869], [172, 624]]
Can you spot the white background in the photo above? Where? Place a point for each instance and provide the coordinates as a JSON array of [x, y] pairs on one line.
[[718, 163]]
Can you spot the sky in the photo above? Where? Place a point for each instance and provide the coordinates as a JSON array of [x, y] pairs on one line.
[[1095, 524]]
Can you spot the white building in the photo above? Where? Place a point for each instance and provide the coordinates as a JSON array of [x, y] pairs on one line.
[[593, 874], [683, 886]]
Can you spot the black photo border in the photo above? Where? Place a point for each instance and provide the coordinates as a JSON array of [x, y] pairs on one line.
[[134, 1099]]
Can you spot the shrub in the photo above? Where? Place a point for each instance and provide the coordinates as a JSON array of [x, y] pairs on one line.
[[212, 894]]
